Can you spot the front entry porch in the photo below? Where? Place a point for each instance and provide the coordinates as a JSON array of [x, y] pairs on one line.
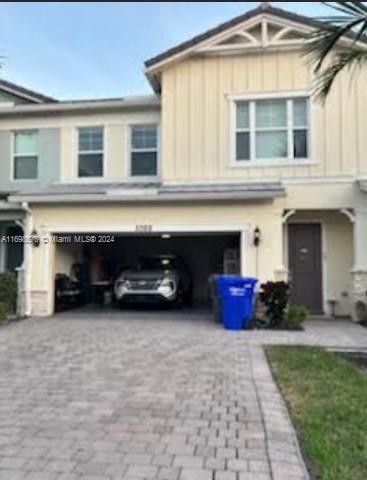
[[319, 255]]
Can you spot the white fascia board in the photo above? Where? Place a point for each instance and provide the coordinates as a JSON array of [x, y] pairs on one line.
[[156, 198], [54, 108]]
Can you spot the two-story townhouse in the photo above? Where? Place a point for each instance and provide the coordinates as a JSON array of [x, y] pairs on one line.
[[232, 160]]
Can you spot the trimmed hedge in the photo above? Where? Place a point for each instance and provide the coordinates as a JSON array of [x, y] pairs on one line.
[[4, 312], [361, 313], [296, 316], [9, 291]]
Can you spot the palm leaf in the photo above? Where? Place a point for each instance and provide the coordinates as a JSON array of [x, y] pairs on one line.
[[343, 60], [325, 39], [324, 44], [349, 8]]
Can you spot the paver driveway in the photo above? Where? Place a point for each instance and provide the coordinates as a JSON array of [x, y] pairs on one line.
[[137, 397]]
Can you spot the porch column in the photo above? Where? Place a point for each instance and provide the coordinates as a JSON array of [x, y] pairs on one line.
[[359, 272], [278, 253], [42, 292], [245, 263]]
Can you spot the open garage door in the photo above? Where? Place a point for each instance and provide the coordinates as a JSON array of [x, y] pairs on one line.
[[90, 270]]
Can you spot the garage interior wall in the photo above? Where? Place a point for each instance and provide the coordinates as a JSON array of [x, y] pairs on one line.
[[66, 256]]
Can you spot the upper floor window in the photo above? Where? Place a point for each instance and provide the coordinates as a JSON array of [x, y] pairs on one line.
[[25, 155], [90, 153], [276, 129], [144, 150]]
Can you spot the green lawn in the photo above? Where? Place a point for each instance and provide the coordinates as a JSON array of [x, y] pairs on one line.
[[327, 396]]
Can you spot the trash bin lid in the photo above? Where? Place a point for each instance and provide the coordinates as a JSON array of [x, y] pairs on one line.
[[235, 280]]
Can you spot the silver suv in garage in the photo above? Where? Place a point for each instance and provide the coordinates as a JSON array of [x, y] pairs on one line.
[[163, 278]]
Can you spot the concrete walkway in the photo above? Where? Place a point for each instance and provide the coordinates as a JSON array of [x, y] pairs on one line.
[[134, 396]]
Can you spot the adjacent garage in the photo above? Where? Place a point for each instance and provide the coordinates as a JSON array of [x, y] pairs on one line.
[[87, 266]]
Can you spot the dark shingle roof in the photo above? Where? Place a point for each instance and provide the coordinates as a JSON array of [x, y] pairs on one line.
[[25, 92]]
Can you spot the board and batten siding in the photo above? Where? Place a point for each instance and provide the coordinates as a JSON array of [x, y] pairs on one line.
[[196, 117]]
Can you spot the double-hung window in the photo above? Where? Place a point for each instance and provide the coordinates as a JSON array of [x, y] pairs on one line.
[[90, 152], [25, 155], [144, 151], [274, 129]]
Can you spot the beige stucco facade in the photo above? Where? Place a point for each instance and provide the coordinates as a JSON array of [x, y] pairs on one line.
[[224, 217], [198, 88], [269, 262]]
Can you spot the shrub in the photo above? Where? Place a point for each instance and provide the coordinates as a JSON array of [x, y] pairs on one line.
[[4, 312], [9, 290], [295, 317], [275, 298], [361, 312]]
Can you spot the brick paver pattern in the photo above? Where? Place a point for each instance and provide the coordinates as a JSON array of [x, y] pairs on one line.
[[146, 396]]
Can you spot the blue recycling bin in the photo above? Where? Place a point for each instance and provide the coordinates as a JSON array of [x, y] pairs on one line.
[[237, 300]]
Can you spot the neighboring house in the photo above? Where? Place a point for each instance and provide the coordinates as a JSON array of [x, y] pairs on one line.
[[231, 146], [11, 216]]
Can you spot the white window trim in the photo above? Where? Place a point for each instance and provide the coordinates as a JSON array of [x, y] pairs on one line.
[[77, 153], [290, 161], [20, 155], [130, 151]]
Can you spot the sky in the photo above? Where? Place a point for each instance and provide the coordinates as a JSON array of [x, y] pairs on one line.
[[75, 50]]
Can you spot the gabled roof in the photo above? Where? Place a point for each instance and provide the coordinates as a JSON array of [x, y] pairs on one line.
[[284, 14], [199, 43], [24, 93]]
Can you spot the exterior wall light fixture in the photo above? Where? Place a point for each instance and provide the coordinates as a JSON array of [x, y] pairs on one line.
[[36, 241], [257, 237]]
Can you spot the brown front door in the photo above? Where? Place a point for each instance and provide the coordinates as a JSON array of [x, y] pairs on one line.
[[305, 262]]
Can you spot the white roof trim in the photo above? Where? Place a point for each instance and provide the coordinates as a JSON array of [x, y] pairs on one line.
[[210, 46], [126, 103], [149, 198], [262, 18]]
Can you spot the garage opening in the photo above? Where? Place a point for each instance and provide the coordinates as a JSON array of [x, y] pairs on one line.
[[89, 273]]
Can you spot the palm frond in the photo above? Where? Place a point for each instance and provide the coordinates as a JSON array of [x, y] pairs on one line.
[[349, 8], [361, 33], [342, 60], [325, 44], [323, 41]]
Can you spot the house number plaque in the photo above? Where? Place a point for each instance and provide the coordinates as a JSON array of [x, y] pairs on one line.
[[144, 228]]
